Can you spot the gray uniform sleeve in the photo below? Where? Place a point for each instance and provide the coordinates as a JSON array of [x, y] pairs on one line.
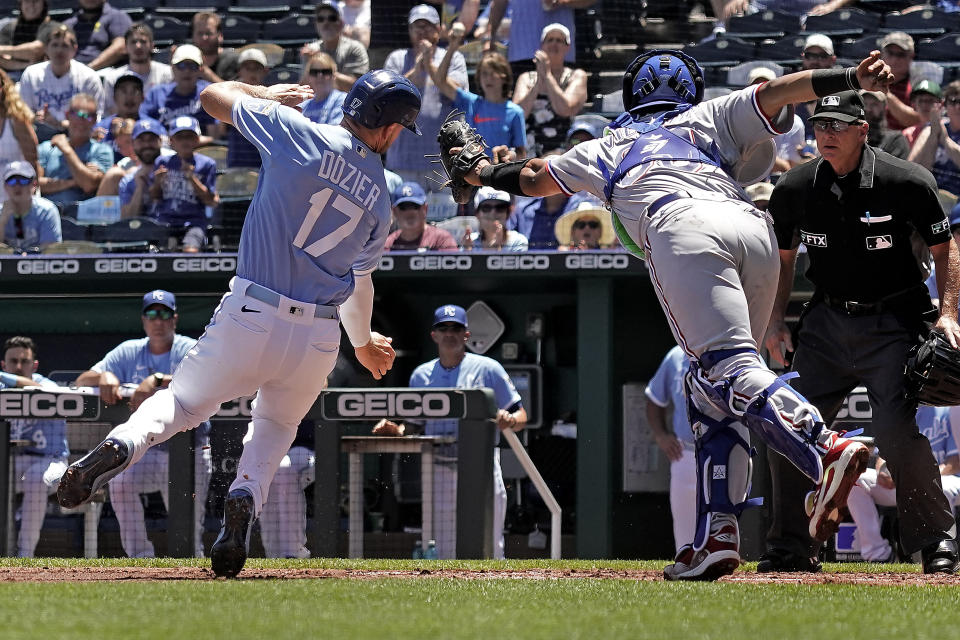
[[579, 168]]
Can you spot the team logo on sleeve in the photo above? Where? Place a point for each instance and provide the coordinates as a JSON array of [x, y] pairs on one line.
[[940, 227], [879, 242], [813, 239]]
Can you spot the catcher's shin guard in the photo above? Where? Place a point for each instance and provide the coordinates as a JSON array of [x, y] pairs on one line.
[[770, 412], [724, 469]]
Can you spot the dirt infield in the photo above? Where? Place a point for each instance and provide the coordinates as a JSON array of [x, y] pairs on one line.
[[151, 574]]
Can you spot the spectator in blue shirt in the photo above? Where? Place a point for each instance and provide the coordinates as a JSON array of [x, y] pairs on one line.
[[134, 185], [27, 221], [185, 184], [72, 164], [39, 465], [495, 117], [326, 106], [181, 97]]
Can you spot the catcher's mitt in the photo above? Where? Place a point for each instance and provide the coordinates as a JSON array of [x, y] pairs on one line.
[[455, 132], [933, 372]]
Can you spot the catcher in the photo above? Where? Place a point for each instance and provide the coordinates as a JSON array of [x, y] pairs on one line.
[[672, 170], [862, 215]]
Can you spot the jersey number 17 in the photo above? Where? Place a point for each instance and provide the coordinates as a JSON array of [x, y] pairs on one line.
[[318, 202]]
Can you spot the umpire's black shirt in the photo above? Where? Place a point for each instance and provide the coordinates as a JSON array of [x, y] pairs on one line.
[[857, 228]]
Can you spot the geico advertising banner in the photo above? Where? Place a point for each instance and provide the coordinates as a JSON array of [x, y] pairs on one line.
[[424, 404], [39, 403]]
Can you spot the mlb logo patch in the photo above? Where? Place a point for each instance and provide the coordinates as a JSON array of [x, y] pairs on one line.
[[830, 101], [720, 472], [940, 227], [879, 242], [813, 239]]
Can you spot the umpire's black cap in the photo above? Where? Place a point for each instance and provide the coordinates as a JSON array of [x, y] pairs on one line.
[[846, 106]]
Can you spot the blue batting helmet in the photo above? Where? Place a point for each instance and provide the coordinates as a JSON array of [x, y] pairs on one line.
[[661, 79], [383, 97]]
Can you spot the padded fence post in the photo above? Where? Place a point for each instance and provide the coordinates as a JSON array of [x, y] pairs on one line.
[[180, 524], [475, 476], [6, 487], [326, 490]]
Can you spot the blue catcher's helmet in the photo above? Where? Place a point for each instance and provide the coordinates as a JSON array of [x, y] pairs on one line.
[[383, 97], [661, 79]]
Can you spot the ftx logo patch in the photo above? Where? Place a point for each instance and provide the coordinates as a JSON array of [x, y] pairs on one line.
[[813, 239], [940, 227], [879, 242]]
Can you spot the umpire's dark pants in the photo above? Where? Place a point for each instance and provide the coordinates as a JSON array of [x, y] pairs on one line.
[[835, 353]]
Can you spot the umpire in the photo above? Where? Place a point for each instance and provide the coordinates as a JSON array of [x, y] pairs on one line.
[[866, 219]]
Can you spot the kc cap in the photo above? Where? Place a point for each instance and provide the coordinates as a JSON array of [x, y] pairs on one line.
[[424, 12], [148, 125], [489, 193], [159, 296], [184, 123], [409, 192], [19, 168], [846, 106], [450, 313]]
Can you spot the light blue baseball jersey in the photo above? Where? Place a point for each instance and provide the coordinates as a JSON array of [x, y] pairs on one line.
[[321, 210], [132, 362], [934, 423], [49, 437], [666, 389], [473, 372], [326, 111]]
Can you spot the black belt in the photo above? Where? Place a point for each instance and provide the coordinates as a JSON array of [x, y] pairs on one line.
[[663, 201], [855, 308]]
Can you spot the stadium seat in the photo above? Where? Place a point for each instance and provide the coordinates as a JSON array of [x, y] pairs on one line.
[[282, 75], [785, 51], [6, 250], [763, 24], [73, 248], [216, 151], [70, 229], [721, 52], [145, 231], [143, 5], [240, 30], [844, 23], [925, 23], [737, 76], [237, 183], [859, 49], [945, 50], [168, 30], [264, 9], [290, 30]]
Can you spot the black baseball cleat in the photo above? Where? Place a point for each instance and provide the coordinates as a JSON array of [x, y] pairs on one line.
[[229, 552], [84, 477], [783, 561], [940, 557]]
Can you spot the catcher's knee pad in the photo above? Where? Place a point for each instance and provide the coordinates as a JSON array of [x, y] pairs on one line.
[[724, 469], [770, 411]]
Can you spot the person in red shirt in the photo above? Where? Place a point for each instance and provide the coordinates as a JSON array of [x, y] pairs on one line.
[[413, 232], [897, 50]]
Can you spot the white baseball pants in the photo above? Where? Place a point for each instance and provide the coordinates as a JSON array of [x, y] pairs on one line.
[[683, 496], [445, 507], [283, 521], [282, 353], [37, 477]]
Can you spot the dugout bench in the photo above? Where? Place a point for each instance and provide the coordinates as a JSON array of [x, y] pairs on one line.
[[475, 408]]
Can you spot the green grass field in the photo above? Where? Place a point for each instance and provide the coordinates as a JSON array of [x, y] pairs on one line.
[[388, 608]]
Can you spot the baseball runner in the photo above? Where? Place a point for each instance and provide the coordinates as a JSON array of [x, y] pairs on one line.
[[313, 234], [671, 170]]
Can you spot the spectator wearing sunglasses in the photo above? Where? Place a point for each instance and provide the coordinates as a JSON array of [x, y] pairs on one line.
[[184, 185], [167, 102], [72, 164], [817, 53], [148, 364], [349, 54], [492, 208], [27, 220], [413, 233], [47, 87], [589, 226], [326, 106], [937, 147]]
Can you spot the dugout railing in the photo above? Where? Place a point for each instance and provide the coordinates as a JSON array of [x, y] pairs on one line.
[[475, 408]]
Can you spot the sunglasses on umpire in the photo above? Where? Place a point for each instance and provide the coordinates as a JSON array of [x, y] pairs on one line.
[[836, 125], [583, 224], [158, 314], [18, 181], [321, 72]]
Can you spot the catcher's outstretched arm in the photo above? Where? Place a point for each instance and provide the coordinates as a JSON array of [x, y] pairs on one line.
[[521, 178]]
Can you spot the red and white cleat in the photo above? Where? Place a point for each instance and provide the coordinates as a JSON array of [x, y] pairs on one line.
[[719, 557], [843, 463]]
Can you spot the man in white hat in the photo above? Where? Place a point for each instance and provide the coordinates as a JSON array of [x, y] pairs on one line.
[[167, 102], [818, 53]]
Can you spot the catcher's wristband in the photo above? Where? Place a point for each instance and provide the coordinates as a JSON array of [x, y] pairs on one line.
[[504, 176], [826, 82]]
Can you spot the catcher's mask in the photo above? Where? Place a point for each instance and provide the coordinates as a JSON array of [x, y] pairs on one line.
[[661, 79], [382, 97]]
